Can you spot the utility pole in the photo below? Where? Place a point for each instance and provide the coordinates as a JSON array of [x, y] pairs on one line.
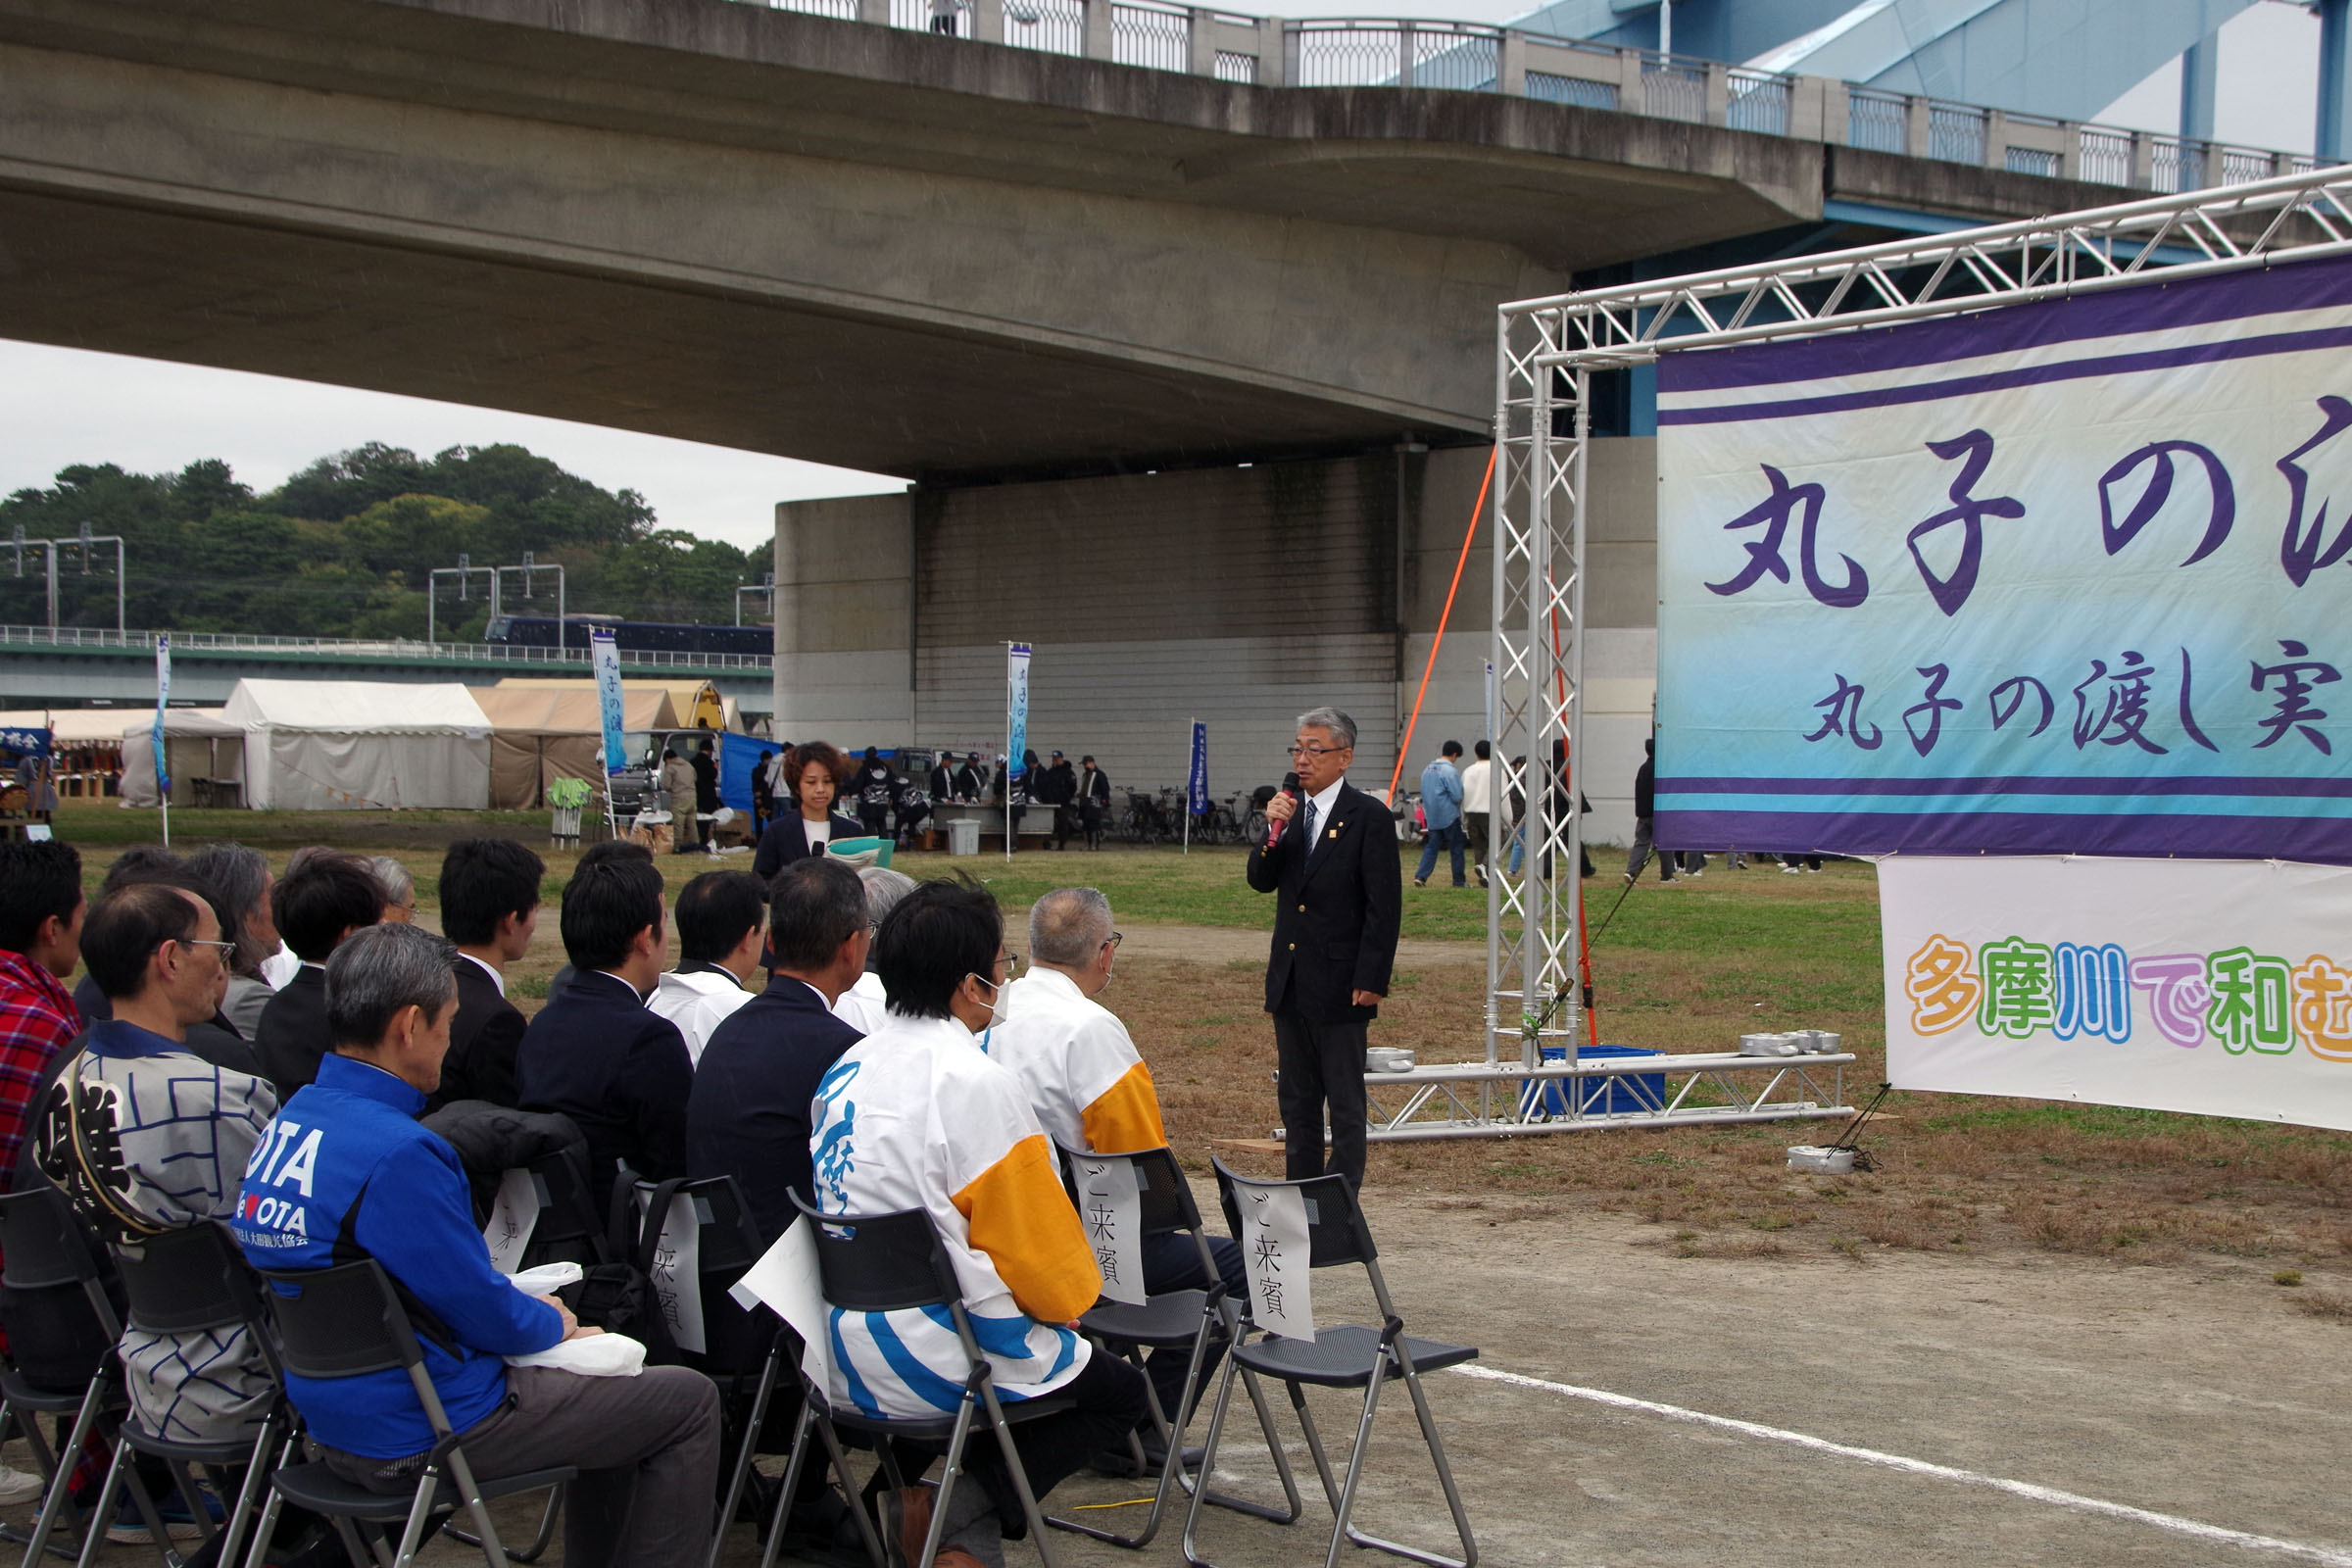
[[85, 544], [765, 587], [464, 572], [529, 570]]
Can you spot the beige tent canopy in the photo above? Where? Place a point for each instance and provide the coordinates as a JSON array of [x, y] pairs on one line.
[[553, 730], [199, 744], [696, 703]]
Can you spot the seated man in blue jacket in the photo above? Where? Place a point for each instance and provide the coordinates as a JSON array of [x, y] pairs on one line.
[[346, 1172]]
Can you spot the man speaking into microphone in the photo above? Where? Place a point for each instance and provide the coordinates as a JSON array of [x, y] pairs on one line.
[[1330, 860]]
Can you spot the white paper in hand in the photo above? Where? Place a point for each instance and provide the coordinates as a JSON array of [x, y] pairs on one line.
[[1274, 1257], [786, 1280], [1112, 1213], [513, 1218]]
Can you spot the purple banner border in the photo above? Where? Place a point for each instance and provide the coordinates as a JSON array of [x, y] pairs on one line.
[[2110, 313], [2215, 837]]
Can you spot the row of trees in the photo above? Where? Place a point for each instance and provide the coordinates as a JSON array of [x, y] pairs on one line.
[[342, 549]]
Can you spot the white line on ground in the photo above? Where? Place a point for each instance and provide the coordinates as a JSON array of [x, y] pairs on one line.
[[2334, 1558]]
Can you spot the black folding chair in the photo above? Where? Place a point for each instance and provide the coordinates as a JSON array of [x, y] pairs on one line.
[[46, 1250], [1342, 1356], [895, 1263], [347, 1321], [571, 1223], [193, 1281], [568, 1228], [1200, 1319]]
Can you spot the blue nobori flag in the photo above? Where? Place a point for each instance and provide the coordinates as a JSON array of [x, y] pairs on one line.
[[1196, 787], [1017, 707], [604, 657], [163, 700]]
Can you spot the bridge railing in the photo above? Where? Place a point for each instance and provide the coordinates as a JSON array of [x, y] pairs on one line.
[[1473, 57], [362, 648]]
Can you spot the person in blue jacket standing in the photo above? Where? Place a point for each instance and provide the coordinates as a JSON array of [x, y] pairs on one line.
[[344, 1172], [1441, 812]]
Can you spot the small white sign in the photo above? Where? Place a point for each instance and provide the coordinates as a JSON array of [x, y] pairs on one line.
[[677, 1271], [513, 1218], [1274, 1256], [1113, 1212], [786, 1279]]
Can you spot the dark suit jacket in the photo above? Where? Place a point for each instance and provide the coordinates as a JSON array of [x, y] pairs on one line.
[[786, 840], [292, 1034], [216, 1040], [483, 1041], [748, 1116], [1335, 913], [618, 1071]]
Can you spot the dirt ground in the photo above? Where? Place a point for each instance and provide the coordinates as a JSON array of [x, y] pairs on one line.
[[2140, 1418]]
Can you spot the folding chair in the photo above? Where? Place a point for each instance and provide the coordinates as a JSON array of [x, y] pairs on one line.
[[1341, 1357], [186, 1281], [347, 1321], [738, 1354], [890, 1263], [46, 1249], [1198, 1318], [568, 1228]]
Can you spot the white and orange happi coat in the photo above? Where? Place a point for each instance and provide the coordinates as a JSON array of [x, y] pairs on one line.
[[1091, 1091], [914, 1116]]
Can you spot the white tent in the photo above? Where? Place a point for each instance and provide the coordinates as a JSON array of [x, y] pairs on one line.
[[200, 744], [349, 745]]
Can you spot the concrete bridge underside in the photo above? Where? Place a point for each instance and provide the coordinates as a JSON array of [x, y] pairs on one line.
[[826, 240]]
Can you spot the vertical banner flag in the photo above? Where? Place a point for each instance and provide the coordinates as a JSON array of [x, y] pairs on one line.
[[604, 656], [1016, 707], [1195, 785], [163, 700], [2071, 577], [2222, 987]]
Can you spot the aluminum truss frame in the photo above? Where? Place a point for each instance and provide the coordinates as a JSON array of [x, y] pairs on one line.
[[1548, 352]]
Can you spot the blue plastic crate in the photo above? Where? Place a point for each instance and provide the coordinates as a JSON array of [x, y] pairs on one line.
[[1641, 1091]]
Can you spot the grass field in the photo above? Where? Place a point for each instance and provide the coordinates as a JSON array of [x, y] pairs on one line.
[[1681, 968]]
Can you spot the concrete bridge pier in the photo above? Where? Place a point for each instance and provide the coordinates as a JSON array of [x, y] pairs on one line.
[[1241, 596]]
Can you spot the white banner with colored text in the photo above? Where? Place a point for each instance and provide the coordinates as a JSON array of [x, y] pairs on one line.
[[2216, 987]]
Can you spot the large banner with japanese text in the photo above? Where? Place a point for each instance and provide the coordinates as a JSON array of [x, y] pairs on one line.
[[2220, 986], [2067, 577]]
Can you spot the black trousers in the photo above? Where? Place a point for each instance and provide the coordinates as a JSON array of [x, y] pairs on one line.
[[877, 820], [1172, 1263], [1109, 1401], [1321, 1063]]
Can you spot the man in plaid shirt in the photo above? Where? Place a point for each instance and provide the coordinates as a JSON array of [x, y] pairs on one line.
[[41, 906]]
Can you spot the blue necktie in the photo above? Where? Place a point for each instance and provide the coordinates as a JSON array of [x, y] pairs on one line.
[[1310, 827]]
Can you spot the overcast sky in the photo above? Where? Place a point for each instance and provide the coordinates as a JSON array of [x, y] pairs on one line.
[[60, 406]]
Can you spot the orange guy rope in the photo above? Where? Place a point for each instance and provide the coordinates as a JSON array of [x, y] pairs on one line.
[[1476, 511]]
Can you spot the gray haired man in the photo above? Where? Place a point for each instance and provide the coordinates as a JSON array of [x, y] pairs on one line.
[[1331, 863]]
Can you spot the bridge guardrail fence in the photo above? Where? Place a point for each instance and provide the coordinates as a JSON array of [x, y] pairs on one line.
[[1475, 57], [351, 647]]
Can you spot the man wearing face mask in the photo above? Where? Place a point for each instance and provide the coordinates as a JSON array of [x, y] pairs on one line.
[[916, 1117]]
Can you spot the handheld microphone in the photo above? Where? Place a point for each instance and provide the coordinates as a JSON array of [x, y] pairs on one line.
[[1290, 787]]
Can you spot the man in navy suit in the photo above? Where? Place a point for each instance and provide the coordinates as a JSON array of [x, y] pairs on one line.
[[1339, 895], [596, 1052], [748, 1116]]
